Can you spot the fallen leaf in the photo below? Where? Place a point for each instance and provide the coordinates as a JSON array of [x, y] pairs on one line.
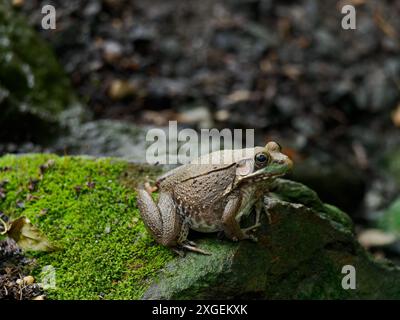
[[27, 236]]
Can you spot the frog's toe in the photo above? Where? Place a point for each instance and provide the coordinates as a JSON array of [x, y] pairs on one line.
[[250, 236], [253, 238], [179, 252], [252, 228], [192, 248]]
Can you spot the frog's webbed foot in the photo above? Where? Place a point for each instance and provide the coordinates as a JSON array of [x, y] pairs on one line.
[[179, 251], [251, 228], [191, 246], [248, 233]]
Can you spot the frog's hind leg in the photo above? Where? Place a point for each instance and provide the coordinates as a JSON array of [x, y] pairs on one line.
[[161, 220]]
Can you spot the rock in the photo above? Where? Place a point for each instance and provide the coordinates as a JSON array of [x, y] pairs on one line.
[[112, 51], [105, 138], [300, 253], [120, 89], [34, 91], [197, 115], [377, 93], [28, 280]]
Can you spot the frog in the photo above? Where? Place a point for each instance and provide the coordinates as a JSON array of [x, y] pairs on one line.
[[212, 193]]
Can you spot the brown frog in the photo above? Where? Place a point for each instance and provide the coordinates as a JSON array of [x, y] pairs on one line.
[[212, 193]]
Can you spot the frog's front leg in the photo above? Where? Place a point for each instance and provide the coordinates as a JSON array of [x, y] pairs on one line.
[[267, 203], [230, 225], [160, 219]]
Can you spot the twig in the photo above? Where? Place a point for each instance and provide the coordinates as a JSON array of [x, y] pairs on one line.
[[5, 227]]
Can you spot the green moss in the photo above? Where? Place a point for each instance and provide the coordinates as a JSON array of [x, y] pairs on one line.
[[82, 207], [339, 217], [391, 218], [391, 164], [292, 191]]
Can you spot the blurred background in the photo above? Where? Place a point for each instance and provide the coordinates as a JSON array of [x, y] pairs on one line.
[[112, 69]]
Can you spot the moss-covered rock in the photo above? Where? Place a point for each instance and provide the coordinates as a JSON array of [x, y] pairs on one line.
[[300, 255], [83, 208], [87, 208], [35, 94]]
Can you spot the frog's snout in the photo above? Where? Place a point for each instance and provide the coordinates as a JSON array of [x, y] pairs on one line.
[[282, 160], [289, 163], [285, 162]]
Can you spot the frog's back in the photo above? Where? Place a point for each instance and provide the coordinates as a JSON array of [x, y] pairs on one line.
[[191, 171], [201, 198]]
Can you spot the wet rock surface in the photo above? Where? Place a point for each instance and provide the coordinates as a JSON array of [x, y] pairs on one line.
[[299, 255]]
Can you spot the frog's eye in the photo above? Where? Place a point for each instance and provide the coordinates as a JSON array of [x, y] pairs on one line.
[[261, 159]]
